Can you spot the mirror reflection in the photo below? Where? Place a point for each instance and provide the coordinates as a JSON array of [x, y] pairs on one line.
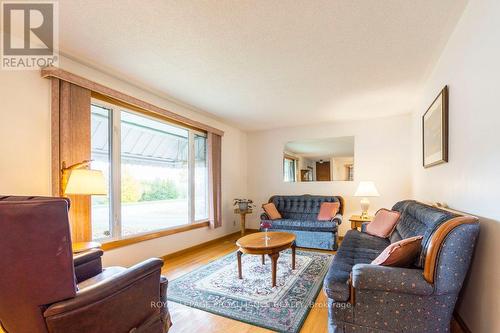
[[317, 160]]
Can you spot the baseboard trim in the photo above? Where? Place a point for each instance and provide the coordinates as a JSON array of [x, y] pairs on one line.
[[461, 322], [204, 244]]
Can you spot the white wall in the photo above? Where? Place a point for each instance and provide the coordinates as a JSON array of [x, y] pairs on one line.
[[470, 66], [25, 152], [381, 153], [24, 133]]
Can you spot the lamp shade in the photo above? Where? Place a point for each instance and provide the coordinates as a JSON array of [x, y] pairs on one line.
[[89, 182], [366, 189]]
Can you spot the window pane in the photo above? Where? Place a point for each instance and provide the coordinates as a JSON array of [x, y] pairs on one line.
[[288, 170], [154, 174], [200, 178], [100, 155]]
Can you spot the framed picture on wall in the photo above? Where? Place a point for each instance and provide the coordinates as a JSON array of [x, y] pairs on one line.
[[435, 131]]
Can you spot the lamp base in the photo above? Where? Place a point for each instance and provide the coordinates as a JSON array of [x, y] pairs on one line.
[[365, 204]]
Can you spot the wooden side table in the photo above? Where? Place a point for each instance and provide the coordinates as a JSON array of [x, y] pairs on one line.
[[243, 214], [357, 221], [84, 246]]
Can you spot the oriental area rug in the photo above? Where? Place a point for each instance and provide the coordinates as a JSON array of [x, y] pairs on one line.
[[216, 288]]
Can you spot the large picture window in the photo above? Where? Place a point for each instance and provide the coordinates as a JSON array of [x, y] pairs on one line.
[[157, 173]]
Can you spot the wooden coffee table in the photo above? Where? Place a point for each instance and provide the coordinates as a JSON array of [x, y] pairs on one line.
[[257, 244]]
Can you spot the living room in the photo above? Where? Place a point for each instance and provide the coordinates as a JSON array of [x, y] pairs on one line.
[[195, 131]]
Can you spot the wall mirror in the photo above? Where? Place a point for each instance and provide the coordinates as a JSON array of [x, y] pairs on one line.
[[318, 160]]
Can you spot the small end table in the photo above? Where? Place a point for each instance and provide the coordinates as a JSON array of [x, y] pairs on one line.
[[79, 247], [256, 243], [243, 214], [357, 221]]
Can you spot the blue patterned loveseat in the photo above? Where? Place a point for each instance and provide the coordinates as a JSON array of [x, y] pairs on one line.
[[299, 216], [370, 298]]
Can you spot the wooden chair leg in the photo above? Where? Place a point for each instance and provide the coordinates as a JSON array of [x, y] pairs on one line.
[[263, 259], [293, 255]]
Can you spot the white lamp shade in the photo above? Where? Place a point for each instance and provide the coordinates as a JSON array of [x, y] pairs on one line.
[[366, 189], [86, 182]]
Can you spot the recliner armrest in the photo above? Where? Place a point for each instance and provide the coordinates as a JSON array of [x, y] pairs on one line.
[[86, 256], [391, 279], [116, 285], [165, 314], [87, 264]]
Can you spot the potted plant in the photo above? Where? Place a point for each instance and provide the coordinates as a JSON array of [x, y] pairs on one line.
[[244, 205]]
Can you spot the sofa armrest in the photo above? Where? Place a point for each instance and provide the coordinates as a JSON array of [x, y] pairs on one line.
[[264, 217], [390, 279], [363, 226], [87, 264], [337, 219]]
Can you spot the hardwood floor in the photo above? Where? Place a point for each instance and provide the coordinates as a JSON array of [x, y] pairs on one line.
[[188, 320]]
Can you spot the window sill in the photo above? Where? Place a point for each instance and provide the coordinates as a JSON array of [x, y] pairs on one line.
[[113, 244]]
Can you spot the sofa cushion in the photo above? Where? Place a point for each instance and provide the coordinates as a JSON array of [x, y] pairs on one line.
[[356, 248], [418, 219], [328, 210], [400, 254], [384, 223], [271, 211], [291, 224], [301, 207]]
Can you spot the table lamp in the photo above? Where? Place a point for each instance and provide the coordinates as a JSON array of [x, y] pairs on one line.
[[366, 189], [78, 180]]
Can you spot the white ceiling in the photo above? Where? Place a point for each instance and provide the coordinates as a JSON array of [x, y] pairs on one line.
[[262, 64]]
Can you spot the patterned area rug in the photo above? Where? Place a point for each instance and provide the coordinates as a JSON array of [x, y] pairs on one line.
[[216, 288]]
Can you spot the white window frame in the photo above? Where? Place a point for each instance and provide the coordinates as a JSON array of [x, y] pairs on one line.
[[114, 131]]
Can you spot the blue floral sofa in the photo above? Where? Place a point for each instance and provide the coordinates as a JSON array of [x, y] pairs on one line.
[[299, 216], [370, 298]]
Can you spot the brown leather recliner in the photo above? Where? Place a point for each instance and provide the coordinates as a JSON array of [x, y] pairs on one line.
[[43, 288]]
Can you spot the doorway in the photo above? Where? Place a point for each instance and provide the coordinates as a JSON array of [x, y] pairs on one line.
[[323, 171]]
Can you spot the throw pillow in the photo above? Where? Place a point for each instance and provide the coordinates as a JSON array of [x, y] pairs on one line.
[[400, 254], [384, 223], [328, 210], [271, 211]]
